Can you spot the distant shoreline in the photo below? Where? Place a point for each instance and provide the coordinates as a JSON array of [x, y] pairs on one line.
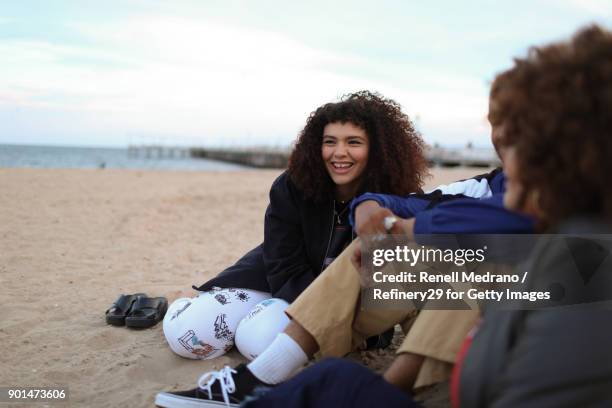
[[58, 157]]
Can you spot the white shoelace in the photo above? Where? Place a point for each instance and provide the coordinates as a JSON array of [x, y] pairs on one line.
[[226, 381]]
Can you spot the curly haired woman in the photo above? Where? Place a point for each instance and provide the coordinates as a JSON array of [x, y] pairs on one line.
[[362, 143]]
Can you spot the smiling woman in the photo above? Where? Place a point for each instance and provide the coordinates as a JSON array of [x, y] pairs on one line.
[[394, 162], [362, 143], [345, 153]]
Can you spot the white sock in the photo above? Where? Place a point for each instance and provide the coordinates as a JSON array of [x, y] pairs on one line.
[[281, 359]]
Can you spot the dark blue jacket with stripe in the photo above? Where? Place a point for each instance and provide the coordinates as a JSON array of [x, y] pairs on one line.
[[471, 206]]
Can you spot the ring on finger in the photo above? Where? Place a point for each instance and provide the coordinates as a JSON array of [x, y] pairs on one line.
[[389, 222]]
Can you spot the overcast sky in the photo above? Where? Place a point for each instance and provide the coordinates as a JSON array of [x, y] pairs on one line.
[[114, 72]]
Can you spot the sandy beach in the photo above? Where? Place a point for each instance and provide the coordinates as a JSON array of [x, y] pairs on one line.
[[71, 241]]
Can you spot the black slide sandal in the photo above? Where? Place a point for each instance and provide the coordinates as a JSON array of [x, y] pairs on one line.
[[116, 314], [146, 312]]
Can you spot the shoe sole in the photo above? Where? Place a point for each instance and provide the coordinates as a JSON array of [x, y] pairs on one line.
[[167, 400]]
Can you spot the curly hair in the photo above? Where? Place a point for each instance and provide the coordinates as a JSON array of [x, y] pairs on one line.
[[396, 164], [555, 106]]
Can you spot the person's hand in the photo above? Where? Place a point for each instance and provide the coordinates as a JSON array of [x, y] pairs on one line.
[[371, 219], [372, 223], [404, 226], [370, 216], [364, 279], [356, 258], [363, 213]]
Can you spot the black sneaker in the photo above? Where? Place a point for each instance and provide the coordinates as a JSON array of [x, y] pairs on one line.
[[227, 387]]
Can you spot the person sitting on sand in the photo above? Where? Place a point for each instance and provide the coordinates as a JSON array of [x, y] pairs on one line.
[[362, 143]]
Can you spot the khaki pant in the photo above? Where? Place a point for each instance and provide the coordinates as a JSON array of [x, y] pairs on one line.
[[328, 309]]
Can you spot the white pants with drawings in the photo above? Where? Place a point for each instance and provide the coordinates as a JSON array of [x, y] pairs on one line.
[[204, 327]]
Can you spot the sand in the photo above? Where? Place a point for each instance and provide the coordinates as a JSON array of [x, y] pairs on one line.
[[71, 241]]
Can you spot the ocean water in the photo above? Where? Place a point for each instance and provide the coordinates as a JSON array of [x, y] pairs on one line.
[[91, 158]]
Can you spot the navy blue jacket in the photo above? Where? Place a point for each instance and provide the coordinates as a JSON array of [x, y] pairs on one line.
[[471, 206]]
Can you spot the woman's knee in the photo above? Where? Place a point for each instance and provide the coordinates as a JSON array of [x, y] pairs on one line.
[[204, 327]]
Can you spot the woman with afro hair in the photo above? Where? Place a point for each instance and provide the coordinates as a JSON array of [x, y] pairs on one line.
[[362, 143]]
